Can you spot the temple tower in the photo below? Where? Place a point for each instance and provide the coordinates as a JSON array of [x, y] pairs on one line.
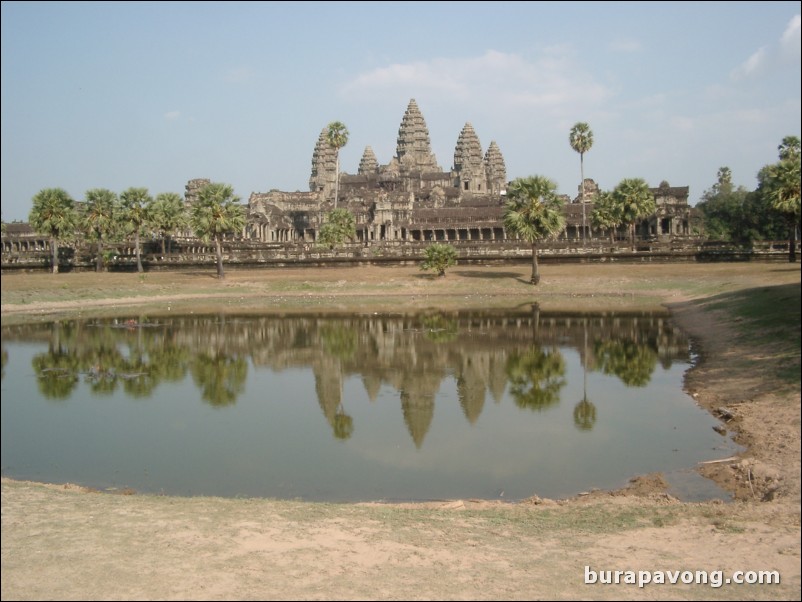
[[414, 150], [324, 166], [468, 163], [495, 169], [368, 164]]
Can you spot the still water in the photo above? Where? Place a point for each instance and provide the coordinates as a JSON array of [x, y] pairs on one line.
[[501, 405]]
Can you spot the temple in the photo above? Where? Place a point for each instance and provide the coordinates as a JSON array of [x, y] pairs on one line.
[[412, 198]]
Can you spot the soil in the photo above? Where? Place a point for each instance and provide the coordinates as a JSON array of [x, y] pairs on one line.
[[65, 542]]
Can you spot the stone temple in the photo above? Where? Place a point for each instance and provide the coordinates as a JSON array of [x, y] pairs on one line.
[[413, 199]]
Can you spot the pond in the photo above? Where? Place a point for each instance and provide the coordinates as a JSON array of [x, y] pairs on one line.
[[485, 405]]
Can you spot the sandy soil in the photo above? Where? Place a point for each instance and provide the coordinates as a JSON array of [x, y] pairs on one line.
[[65, 542]]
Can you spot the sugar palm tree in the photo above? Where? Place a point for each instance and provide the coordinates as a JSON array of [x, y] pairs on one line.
[[780, 182], [101, 210], [605, 214], [169, 215], [633, 201], [54, 214], [534, 212], [215, 214], [337, 137], [135, 204], [581, 140]]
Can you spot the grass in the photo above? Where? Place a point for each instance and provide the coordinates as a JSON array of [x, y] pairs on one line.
[[768, 319]]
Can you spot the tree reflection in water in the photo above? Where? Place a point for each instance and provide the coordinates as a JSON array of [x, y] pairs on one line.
[[480, 352]]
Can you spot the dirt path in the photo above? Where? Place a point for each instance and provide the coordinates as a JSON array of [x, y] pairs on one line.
[[63, 542]]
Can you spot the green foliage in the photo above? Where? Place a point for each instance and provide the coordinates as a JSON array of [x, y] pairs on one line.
[[633, 201], [339, 226], [220, 376], [584, 415], [630, 361], [439, 257], [168, 215], [533, 213], [100, 219], [605, 214], [215, 214], [54, 214], [536, 378], [337, 137]]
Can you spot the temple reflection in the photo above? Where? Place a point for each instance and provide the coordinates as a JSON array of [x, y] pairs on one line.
[[486, 354]]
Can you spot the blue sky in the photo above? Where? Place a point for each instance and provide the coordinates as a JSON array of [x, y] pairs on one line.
[[152, 94]]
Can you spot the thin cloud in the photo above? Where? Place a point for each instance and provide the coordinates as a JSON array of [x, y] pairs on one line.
[[765, 57], [752, 65], [790, 40], [172, 115], [548, 83]]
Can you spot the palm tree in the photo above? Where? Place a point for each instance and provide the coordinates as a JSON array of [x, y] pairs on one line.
[[534, 212], [536, 377], [168, 216], [99, 219], [605, 214], [337, 137], [581, 140], [781, 184], [217, 212], [135, 204], [633, 201], [439, 257], [53, 214]]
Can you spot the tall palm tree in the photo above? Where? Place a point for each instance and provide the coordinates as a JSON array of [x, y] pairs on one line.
[[581, 140], [633, 201], [783, 193], [534, 212], [53, 214], [168, 215], [136, 205], [780, 183], [216, 213], [337, 137], [101, 208]]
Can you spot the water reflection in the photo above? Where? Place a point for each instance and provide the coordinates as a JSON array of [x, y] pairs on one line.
[[351, 407], [488, 353]]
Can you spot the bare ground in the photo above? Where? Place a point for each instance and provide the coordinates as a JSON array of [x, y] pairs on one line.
[[66, 542]]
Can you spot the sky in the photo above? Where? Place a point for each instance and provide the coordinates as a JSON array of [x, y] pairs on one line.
[[152, 94]]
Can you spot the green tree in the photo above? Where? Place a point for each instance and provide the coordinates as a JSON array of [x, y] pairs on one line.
[[780, 185], [438, 257], [629, 360], [54, 215], [168, 216], [605, 215], [220, 376], [536, 378], [534, 212], [136, 204], [584, 415], [634, 201], [99, 220], [215, 214], [722, 208], [581, 140], [339, 226], [337, 137]]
